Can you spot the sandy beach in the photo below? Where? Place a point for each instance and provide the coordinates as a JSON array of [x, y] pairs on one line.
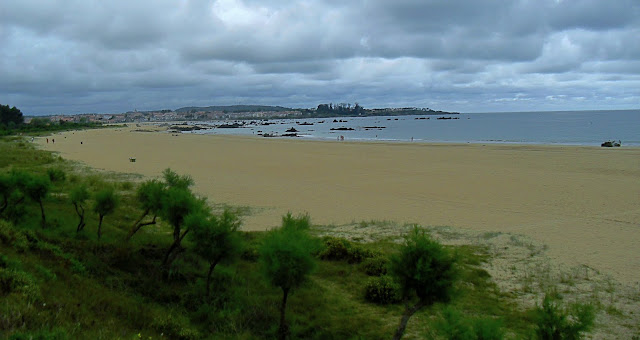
[[583, 202]]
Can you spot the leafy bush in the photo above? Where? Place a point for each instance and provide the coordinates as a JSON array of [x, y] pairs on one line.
[[250, 254], [554, 322], [339, 249], [455, 326], [336, 249], [382, 290], [174, 326], [375, 266], [18, 282], [12, 237], [56, 174]]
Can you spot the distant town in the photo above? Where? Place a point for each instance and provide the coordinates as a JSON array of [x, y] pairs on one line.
[[236, 112]]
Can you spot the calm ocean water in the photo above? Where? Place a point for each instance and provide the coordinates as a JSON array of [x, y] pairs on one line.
[[566, 127]]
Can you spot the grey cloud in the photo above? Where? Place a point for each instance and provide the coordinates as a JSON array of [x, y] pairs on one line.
[[91, 55]]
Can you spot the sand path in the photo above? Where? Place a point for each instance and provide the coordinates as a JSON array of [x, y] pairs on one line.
[[583, 202]]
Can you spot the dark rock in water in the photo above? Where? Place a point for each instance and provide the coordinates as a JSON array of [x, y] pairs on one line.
[[342, 129], [375, 127], [289, 135], [305, 123], [229, 126], [611, 143], [335, 120], [292, 130], [186, 128]]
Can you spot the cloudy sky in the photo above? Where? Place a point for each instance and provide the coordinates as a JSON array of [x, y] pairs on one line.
[[76, 56]]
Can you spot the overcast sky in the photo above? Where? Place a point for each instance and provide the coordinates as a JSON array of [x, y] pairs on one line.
[[77, 56]]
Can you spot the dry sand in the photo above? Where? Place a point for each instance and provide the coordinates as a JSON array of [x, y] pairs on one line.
[[583, 202]]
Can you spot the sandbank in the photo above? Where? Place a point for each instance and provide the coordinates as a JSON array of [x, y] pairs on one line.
[[583, 202]]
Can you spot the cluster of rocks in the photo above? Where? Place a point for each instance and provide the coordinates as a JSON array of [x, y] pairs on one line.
[[611, 143]]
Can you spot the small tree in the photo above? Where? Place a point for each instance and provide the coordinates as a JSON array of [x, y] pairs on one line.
[[79, 195], [149, 195], [13, 188], [286, 259], [215, 238], [37, 188], [177, 204], [425, 272], [106, 202]]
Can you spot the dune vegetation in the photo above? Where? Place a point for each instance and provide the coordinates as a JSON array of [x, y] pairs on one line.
[[89, 254]]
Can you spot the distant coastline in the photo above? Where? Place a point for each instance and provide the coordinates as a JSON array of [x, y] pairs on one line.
[[242, 112]]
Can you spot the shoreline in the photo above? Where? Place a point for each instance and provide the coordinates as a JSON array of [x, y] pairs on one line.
[[581, 201]]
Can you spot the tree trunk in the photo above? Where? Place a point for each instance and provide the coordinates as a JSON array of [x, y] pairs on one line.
[[136, 225], [44, 221], [5, 204], [80, 212], [175, 246], [100, 226], [283, 331], [211, 267], [408, 312]]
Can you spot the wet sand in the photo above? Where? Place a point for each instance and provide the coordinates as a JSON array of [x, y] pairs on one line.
[[583, 202]]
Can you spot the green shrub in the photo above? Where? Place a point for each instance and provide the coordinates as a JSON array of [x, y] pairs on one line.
[[335, 249], [455, 326], [174, 326], [56, 174], [12, 237], [382, 290], [250, 254], [375, 266], [339, 249], [488, 329], [555, 322], [18, 282]]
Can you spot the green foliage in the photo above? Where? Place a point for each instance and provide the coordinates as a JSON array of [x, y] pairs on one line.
[[455, 326], [375, 266], [382, 290], [173, 180], [285, 254], [79, 194], [215, 238], [286, 259], [340, 249], [106, 201], [424, 268], [56, 174], [175, 326], [177, 203], [149, 195], [11, 237], [554, 322], [10, 116], [14, 281]]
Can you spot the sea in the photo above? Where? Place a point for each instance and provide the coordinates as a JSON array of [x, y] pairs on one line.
[[589, 128]]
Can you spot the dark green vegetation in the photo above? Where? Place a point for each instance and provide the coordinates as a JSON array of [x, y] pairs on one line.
[[186, 272], [12, 122]]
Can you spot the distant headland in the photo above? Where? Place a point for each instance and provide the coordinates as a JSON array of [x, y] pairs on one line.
[[238, 112]]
